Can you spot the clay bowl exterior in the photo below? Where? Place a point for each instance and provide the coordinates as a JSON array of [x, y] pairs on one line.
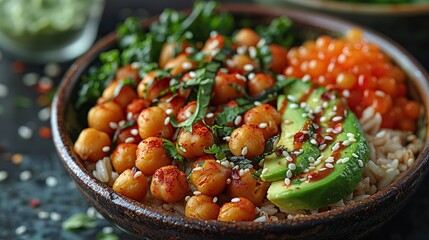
[[146, 222]]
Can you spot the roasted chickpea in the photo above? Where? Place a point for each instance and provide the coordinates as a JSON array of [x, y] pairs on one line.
[[279, 58], [128, 72], [240, 210], [213, 43], [125, 95], [266, 118], [124, 157], [192, 144], [259, 83], [225, 88], [136, 106], [247, 140], [151, 87], [90, 143], [180, 64], [151, 155], [209, 177], [168, 50], [152, 123], [248, 187], [201, 207], [241, 64], [100, 116], [131, 183], [174, 103], [169, 184], [247, 37]]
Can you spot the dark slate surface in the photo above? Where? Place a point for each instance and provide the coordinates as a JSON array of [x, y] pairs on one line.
[[39, 157]]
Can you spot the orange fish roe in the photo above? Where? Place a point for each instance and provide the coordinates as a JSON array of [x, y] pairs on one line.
[[361, 72]]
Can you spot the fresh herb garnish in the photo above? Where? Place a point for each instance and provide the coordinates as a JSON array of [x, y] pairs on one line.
[[257, 174], [170, 147], [297, 182], [217, 150], [107, 236], [79, 221], [279, 32]]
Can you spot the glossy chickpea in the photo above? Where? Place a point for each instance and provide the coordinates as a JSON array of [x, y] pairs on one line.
[[101, 116], [131, 183], [241, 210], [90, 143], [241, 64], [225, 88], [259, 83], [169, 184], [180, 64], [136, 106], [151, 155], [128, 72], [214, 43], [201, 207], [192, 144], [209, 177], [168, 50], [151, 87], [123, 98], [279, 60], [247, 37], [266, 118], [124, 157], [152, 123], [248, 187], [247, 140]]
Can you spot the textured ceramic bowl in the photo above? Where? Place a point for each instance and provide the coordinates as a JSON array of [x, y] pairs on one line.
[[146, 222]]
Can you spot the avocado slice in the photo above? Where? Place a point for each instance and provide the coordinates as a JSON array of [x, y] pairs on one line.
[[344, 151], [297, 129]]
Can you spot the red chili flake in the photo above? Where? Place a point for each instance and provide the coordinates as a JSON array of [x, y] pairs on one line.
[[18, 67], [300, 137], [235, 175], [34, 202], [43, 100], [44, 132], [338, 128], [320, 139], [328, 96], [279, 151]]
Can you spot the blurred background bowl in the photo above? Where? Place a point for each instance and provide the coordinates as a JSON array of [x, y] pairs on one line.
[[146, 222]]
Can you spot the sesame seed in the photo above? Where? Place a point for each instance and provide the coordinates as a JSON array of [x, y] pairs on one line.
[[313, 141], [251, 76], [186, 65], [228, 181], [196, 169], [252, 52], [25, 175], [189, 35], [20, 230], [187, 198], [322, 119], [379, 93], [209, 115], [350, 135], [257, 103], [336, 131], [352, 140], [129, 140], [281, 77], [336, 147], [345, 160], [304, 115], [325, 104], [135, 65], [189, 50], [317, 162], [213, 34], [329, 165], [226, 138], [337, 118], [223, 70], [346, 93], [172, 82], [355, 155], [230, 63], [330, 160], [293, 105], [311, 159], [322, 147], [329, 138], [196, 193], [51, 181], [285, 153], [292, 166], [52, 70], [138, 174], [360, 163], [3, 175], [215, 199], [237, 120], [291, 98], [235, 200], [248, 67], [129, 116], [107, 230], [224, 163], [289, 158], [188, 114], [166, 120], [380, 134], [311, 168], [105, 149], [265, 170], [261, 43], [134, 132], [241, 50], [287, 181], [322, 169], [43, 215], [113, 125], [241, 172], [55, 216], [46, 82], [347, 143], [288, 173], [30, 79], [263, 125], [244, 151], [169, 111], [331, 114], [25, 132], [328, 130], [306, 78], [241, 77]]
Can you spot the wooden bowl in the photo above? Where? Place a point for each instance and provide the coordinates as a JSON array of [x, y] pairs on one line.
[[153, 223]]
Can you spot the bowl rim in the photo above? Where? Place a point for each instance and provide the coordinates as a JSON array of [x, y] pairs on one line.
[[365, 8], [77, 170]]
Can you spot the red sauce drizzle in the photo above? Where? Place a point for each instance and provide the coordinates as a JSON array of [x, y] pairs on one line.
[[307, 93], [300, 137], [283, 107]]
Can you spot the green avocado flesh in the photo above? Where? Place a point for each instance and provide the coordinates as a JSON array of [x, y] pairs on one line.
[[331, 161]]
